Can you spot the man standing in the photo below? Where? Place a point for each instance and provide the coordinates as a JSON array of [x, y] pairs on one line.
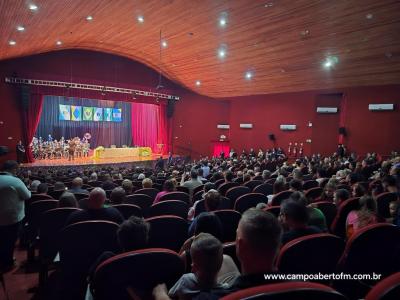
[[13, 193], [20, 149]]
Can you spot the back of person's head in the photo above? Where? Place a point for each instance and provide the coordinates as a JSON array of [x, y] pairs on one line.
[[212, 200], [97, 197], [367, 203], [194, 174], [200, 172], [67, 199], [93, 176], [296, 185], [258, 240], [34, 185], [209, 186], [169, 186], [299, 197], [358, 190], [77, 182], [59, 186], [266, 174], [209, 223], [141, 176], [279, 186], [340, 196], [133, 234], [127, 185], [321, 173], [117, 195], [147, 183], [294, 213], [389, 181], [297, 174], [10, 166], [42, 188], [207, 255], [229, 176]]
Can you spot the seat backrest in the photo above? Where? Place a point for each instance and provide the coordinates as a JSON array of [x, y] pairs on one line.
[[275, 210], [139, 270], [223, 188], [386, 289], [128, 210], [265, 188], [50, 226], [198, 196], [198, 188], [80, 196], [176, 196], [141, 200], [310, 254], [235, 192], [229, 219], [169, 207], [310, 184], [247, 201], [167, 232], [338, 226], [329, 210], [56, 194], [253, 183], [230, 249], [383, 201], [219, 182], [278, 198], [35, 212], [313, 193], [200, 207], [287, 291], [151, 192], [183, 189]]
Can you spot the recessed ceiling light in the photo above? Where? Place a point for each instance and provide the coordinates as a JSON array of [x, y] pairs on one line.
[[20, 28], [58, 43], [269, 4], [89, 18], [140, 19], [198, 82], [12, 42], [222, 52], [223, 19], [248, 75], [33, 7], [222, 22], [369, 16], [330, 62], [164, 44]]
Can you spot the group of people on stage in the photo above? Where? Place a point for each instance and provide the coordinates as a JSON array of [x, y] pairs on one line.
[[53, 149], [270, 154]]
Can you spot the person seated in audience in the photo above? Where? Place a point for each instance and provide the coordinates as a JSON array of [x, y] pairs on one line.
[[228, 176], [117, 196], [141, 176], [266, 174], [389, 184], [59, 186], [316, 216], [365, 215], [67, 199], [340, 196], [294, 217], [108, 184], [246, 177], [147, 183], [321, 175], [42, 189], [93, 178], [192, 183], [96, 210], [393, 208], [200, 176], [212, 200], [329, 191], [168, 187], [279, 186], [295, 185], [34, 185], [127, 185], [357, 190], [298, 175], [205, 168], [76, 186], [207, 186]]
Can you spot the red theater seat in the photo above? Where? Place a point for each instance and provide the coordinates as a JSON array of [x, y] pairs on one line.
[[265, 188], [151, 192], [237, 191], [288, 291], [309, 184], [387, 289], [139, 270], [329, 210], [229, 219], [253, 183], [278, 198], [383, 200], [141, 200], [247, 201], [176, 196], [338, 226], [169, 207], [313, 193], [128, 210], [275, 210], [223, 188], [230, 249]]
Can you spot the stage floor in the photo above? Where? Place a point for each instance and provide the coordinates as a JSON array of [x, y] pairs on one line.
[[91, 161]]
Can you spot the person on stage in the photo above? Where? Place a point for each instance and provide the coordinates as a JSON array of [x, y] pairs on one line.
[[170, 159], [20, 149], [71, 149]]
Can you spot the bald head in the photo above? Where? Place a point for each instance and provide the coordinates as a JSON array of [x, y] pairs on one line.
[[77, 182], [97, 197]]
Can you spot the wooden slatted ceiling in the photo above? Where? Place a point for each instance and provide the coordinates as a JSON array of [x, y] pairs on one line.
[[266, 40]]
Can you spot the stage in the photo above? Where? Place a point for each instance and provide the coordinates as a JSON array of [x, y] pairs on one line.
[[137, 161]]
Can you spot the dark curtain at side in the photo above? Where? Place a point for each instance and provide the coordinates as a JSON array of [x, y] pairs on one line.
[[30, 119], [103, 133]]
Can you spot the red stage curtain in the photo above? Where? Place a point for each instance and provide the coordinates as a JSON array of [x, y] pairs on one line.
[[164, 129], [30, 119], [221, 146]]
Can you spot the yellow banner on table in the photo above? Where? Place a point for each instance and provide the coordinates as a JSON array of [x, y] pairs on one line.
[[101, 152]]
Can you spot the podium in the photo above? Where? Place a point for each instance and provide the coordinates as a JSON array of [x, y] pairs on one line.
[[219, 146]]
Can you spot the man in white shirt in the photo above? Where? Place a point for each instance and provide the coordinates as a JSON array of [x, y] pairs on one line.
[[13, 194]]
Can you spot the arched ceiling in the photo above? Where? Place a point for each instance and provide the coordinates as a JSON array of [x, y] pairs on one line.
[[284, 43]]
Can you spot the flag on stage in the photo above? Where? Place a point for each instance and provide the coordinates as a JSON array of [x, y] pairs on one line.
[[87, 113], [107, 114], [98, 114], [76, 113], [65, 112], [117, 114]]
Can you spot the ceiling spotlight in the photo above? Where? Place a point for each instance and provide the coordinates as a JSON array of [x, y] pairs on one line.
[[140, 19], [58, 43], [222, 22], [20, 28], [369, 16], [223, 19], [248, 75], [198, 82], [164, 44], [89, 18], [330, 62], [33, 7], [222, 52], [12, 42], [269, 4]]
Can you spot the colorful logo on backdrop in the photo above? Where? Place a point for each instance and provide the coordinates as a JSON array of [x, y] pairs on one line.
[[107, 114], [117, 114], [98, 114], [65, 112], [76, 113], [87, 113]]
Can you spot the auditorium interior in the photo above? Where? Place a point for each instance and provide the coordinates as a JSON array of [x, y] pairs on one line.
[[186, 149]]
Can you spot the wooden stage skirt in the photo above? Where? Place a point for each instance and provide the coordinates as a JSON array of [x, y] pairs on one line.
[[101, 152]]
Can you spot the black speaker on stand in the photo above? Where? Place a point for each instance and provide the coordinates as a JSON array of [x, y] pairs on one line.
[[342, 131], [170, 108]]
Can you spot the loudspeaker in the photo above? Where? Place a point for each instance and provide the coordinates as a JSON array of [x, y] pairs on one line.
[[170, 108], [3, 150], [342, 131], [271, 137], [25, 95]]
